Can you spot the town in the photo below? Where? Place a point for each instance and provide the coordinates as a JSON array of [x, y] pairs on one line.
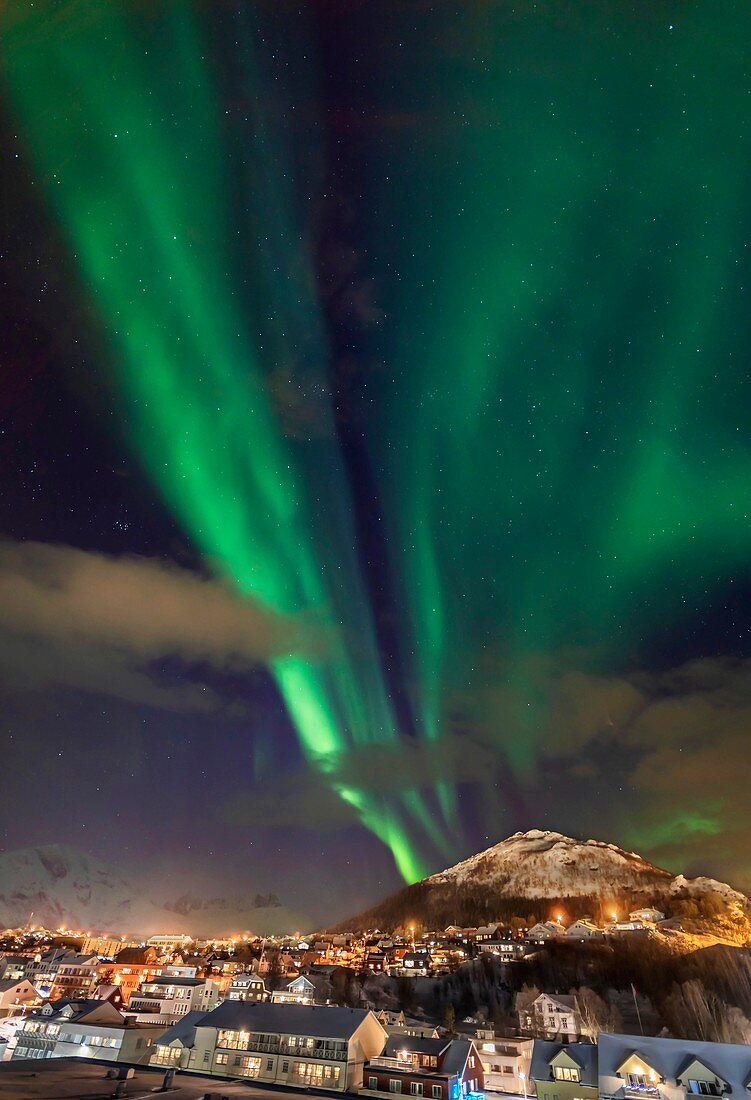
[[339, 1012]]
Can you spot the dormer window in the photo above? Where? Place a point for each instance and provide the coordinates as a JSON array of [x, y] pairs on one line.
[[566, 1073], [703, 1088]]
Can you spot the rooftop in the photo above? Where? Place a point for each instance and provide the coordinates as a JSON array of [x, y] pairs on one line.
[[79, 1079], [321, 1021]]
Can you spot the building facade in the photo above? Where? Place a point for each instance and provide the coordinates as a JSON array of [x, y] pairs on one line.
[[439, 1069], [302, 1046]]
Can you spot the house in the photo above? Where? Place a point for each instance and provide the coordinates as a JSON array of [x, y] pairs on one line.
[[486, 932], [440, 1069], [13, 966], [76, 976], [247, 987], [583, 929], [377, 961], [546, 930], [84, 1029], [507, 950], [561, 1072], [15, 995], [416, 964], [648, 915], [553, 1016], [505, 1062], [166, 998], [41, 970], [300, 991], [627, 927], [652, 1068], [132, 966], [297, 1045]]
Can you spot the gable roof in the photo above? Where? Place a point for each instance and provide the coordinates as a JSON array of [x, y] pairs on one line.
[[183, 1033], [319, 1021], [673, 1058], [584, 1056], [455, 1058], [694, 1061], [563, 1000], [635, 1054]]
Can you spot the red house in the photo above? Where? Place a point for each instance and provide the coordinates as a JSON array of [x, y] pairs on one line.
[[438, 1069]]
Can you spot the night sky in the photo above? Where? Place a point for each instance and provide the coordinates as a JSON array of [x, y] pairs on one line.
[[374, 435]]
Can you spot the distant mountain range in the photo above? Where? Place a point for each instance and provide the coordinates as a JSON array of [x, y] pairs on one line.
[[528, 874], [66, 888]]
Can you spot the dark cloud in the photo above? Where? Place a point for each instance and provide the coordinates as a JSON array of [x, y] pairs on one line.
[[100, 624]]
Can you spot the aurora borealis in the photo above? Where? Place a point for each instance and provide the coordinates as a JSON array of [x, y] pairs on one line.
[[424, 332]]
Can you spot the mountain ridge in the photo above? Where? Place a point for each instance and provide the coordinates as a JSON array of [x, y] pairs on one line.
[[537, 869], [67, 888]]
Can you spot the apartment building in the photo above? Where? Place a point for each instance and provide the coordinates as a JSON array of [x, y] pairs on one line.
[[303, 1046], [167, 998], [84, 1029], [505, 1062]]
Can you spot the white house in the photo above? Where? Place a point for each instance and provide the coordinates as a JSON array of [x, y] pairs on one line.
[[553, 1016], [300, 991], [505, 1062], [84, 1029], [583, 929], [165, 999], [15, 995], [652, 1068], [546, 930], [649, 915], [303, 1046]]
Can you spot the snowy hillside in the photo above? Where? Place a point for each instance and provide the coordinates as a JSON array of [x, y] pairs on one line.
[[524, 873], [541, 864], [66, 888]]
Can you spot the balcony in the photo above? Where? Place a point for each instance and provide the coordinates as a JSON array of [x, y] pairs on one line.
[[647, 1090], [404, 1064]]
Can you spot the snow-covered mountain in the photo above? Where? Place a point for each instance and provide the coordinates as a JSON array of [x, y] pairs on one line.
[[527, 870], [66, 888], [542, 864]]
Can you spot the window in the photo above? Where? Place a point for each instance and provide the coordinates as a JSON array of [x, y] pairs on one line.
[[372, 1082], [313, 1073], [508, 1069], [437, 1092], [222, 1059], [249, 1066], [285, 1067], [565, 1073], [640, 1082], [415, 1088], [269, 1064], [703, 1088], [395, 1086], [471, 1061], [206, 1055]]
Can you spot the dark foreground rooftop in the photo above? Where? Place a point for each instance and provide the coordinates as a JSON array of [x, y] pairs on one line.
[[76, 1079]]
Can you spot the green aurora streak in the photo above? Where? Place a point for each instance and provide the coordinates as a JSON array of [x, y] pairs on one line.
[[132, 175], [559, 466]]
